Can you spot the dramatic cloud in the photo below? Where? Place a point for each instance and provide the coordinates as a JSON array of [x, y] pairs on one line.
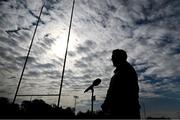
[[147, 29]]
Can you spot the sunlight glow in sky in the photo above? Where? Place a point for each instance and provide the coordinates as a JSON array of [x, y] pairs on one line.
[[60, 44]]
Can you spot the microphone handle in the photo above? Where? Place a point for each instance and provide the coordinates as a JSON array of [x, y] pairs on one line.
[[89, 88]]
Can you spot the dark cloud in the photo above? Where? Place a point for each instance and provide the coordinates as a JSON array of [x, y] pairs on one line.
[[154, 12], [69, 74], [5, 55], [47, 65], [12, 77], [20, 4], [22, 59], [50, 5], [94, 56], [11, 42], [111, 8], [82, 49], [71, 54], [36, 16], [32, 73], [80, 64], [16, 31], [47, 42], [57, 62], [54, 83], [53, 74], [90, 44]]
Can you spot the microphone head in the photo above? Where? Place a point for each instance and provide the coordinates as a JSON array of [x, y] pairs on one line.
[[96, 82]]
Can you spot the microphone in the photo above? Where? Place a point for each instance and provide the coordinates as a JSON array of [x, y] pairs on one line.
[[95, 83]]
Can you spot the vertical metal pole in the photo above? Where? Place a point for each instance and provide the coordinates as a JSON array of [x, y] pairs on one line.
[[75, 106], [62, 76], [27, 56], [92, 101], [144, 110], [75, 97]]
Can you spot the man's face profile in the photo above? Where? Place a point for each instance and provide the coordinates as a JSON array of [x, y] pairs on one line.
[[114, 60]]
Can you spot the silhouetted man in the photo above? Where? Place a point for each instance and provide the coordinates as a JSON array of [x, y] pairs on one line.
[[122, 96]]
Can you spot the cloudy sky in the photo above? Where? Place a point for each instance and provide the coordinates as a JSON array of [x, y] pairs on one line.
[[147, 29]]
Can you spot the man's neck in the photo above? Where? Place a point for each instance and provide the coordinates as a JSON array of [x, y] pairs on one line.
[[119, 66]]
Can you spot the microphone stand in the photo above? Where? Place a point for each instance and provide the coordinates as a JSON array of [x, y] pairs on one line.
[[92, 100], [95, 83]]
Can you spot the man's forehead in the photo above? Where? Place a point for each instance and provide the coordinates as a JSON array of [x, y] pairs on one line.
[[113, 55]]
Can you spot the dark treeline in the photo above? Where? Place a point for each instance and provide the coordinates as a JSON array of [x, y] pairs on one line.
[[37, 108]]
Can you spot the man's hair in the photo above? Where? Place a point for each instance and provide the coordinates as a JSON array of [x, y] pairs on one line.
[[120, 54]]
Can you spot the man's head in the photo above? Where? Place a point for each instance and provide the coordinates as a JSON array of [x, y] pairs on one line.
[[118, 56]]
